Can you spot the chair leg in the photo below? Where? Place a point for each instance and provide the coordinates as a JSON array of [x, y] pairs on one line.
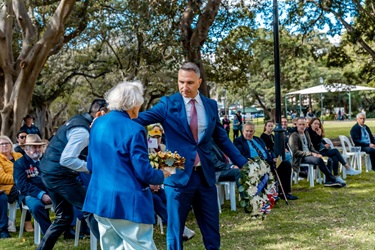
[[311, 175], [36, 233], [218, 197], [160, 223], [78, 230], [22, 225], [12, 212], [232, 194]]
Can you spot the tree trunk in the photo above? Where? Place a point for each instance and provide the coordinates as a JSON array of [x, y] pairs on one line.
[[18, 78], [192, 40]]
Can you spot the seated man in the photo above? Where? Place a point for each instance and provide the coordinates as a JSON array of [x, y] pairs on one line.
[[21, 137], [362, 137], [252, 146], [303, 152], [28, 181], [223, 169]]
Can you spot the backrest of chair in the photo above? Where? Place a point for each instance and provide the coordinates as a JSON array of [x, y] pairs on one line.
[[345, 143], [327, 140]]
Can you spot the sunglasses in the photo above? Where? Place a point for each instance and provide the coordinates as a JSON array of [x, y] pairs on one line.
[[22, 137]]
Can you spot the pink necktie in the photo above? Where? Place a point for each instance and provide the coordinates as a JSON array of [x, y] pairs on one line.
[[194, 126]]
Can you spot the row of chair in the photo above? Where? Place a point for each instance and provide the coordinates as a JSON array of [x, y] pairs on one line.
[[349, 152], [37, 231]]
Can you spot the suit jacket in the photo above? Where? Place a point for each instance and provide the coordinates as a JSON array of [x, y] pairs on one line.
[[295, 145], [121, 171], [27, 178], [243, 147], [219, 159], [171, 113], [356, 135]]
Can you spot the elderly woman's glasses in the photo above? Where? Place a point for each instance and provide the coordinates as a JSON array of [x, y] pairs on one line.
[[4, 144]]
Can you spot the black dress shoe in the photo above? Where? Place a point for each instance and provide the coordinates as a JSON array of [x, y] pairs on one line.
[[289, 197], [4, 234]]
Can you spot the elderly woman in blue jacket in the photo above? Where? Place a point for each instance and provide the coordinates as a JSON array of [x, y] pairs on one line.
[[118, 194]]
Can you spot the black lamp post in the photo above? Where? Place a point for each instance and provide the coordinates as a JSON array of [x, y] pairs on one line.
[[279, 131]]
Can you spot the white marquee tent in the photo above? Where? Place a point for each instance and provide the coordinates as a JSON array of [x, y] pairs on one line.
[[320, 89]]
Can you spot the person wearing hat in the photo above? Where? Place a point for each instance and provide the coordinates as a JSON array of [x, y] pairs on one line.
[[64, 159], [29, 127], [156, 133], [27, 178]]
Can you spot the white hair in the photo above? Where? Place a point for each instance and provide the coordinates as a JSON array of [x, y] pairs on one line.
[[359, 115], [125, 96]]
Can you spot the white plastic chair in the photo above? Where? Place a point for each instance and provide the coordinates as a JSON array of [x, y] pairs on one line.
[[227, 189], [343, 169], [310, 174], [12, 207], [354, 157], [93, 240], [37, 230]]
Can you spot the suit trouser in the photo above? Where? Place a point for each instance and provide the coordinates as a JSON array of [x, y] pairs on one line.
[[371, 152], [203, 198], [65, 192]]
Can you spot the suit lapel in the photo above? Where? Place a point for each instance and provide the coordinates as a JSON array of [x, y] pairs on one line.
[[180, 106]]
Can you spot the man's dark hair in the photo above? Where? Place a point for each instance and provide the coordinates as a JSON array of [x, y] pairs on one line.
[[97, 104], [20, 132]]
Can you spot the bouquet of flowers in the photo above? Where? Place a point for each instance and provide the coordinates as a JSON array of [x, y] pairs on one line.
[[167, 160], [259, 188]]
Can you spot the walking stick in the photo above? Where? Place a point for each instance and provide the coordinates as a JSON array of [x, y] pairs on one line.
[[278, 162]]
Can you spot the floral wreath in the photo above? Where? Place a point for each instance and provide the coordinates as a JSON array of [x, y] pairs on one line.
[[258, 186], [166, 159]]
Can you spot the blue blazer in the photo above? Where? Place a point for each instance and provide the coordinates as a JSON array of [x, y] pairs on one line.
[[171, 113], [121, 171]]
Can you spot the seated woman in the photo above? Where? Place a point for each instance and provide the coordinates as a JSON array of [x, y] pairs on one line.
[[8, 191], [316, 132], [269, 139]]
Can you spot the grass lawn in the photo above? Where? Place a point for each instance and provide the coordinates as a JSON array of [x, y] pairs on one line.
[[323, 218]]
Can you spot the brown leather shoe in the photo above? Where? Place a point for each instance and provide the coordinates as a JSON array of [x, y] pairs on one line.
[[29, 226]]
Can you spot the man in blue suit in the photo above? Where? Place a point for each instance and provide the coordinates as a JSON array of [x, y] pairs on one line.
[[190, 120]]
